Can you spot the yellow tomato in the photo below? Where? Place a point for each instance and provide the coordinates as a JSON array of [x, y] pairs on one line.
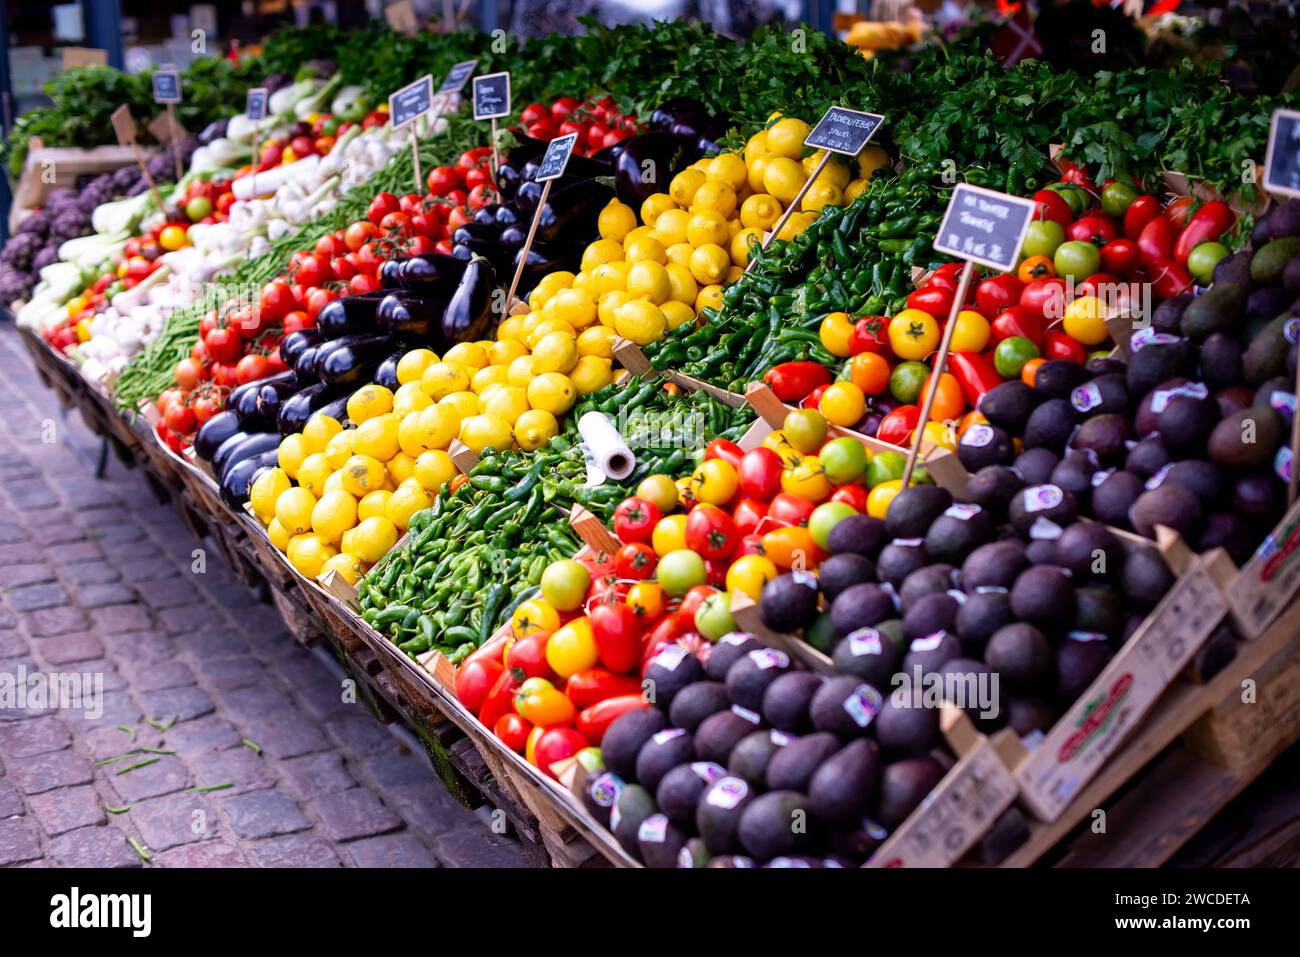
[[749, 574], [714, 481], [836, 330], [806, 480], [1085, 320], [913, 334], [534, 616], [669, 534], [879, 498], [843, 404], [971, 333]]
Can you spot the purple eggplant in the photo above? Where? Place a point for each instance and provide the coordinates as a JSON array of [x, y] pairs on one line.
[[352, 359], [238, 479], [254, 444], [292, 345], [386, 374], [214, 432], [271, 393], [408, 313], [468, 316], [297, 409], [349, 316], [433, 270], [648, 164], [390, 273]]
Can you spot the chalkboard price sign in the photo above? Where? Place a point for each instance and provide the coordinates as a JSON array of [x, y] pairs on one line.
[[166, 86], [458, 76], [556, 158], [1282, 165], [842, 130], [984, 226], [491, 96], [255, 105], [411, 101]]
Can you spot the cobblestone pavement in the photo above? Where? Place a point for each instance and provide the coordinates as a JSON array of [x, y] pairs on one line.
[[96, 577]]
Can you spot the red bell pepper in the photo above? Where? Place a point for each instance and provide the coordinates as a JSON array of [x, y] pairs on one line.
[[1140, 212], [975, 373], [593, 685], [1169, 279], [1210, 222], [1156, 241], [792, 381], [594, 721], [1059, 345], [870, 334], [1017, 321], [896, 427]]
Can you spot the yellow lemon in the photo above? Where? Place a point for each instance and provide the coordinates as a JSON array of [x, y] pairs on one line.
[[646, 249], [407, 499], [521, 372], [462, 403], [339, 449], [368, 402], [855, 189], [608, 304], [733, 275], [677, 313], [835, 171], [318, 431], [729, 167], [346, 566], [756, 146], [757, 168], [374, 503], [373, 538], [409, 398], [760, 211], [641, 321], [468, 355], [715, 194], [796, 224], [783, 178], [740, 245], [577, 307], [313, 472], [591, 373], [400, 467], [608, 277], [433, 469], [511, 329], [335, 481], [333, 515], [646, 280], [435, 427], [278, 534], [556, 352], [680, 253], [601, 251], [441, 379], [377, 437], [487, 377], [535, 428], [785, 137], [293, 449], [710, 297], [654, 205], [481, 432], [547, 327], [308, 554], [670, 227], [616, 220], [412, 365], [293, 508], [872, 158], [268, 487], [502, 353], [553, 392], [508, 402], [709, 264], [821, 195], [597, 341], [362, 475], [707, 226], [682, 285]]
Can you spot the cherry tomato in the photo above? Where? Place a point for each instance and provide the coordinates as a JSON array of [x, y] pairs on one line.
[[223, 344], [747, 514], [180, 418], [527, 656], [691, 601], [635, 519], [854, 496], [513, 732], [443, 179], [637, 561], [189, 374], [250, 369], [381, 206], [759, 473], [711, 532], [787, 509]]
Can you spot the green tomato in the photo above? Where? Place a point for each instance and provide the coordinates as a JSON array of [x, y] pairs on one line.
[[806, 430], [1074, 195], [825, 517], [681, 570], [1011, 355], [713, 617], [906, 380], [885, 467], [1076, 258], [564, 584], [843, 460], [1203, 259], [1116, 198], [1043, 237], [197, 208], [591, 760]]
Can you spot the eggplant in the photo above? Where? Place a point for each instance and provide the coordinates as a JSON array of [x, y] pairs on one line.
[[486, 232], [305, 367], [238, 479], [224, 450], [513, 237], [468, 315], [575, 209], [244, 401], [542, 259], [530, 193], [386, 374], [579, 167], [510, 174], [431, 270], [507, 215], [292, 345], [255, 444], [665, 151], [337, 409], [407, 313], [390, 273], [668, 112], [610, 154], [353, 359], [486, 215], [350, 315], [214, 432], [297, 409], [492, 251], [708, 141], [272, 393]]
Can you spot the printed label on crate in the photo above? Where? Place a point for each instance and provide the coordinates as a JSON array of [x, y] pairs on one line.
[[1282, 163], [1268, 581], [166, 86], [984, 226], [1104, 716], [458, 76], [411, 101], [255, 103], [841, 130], [954, 816], [491, 96], [557, 158]]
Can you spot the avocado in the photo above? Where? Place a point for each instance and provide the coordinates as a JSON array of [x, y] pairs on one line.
[[906, 731], [1104, 395], [860, 606], [1265, 356], [1043, 595], [786, 701], [1220, 307], [899, 559], [861, 534], [994, 565], [789, 601], [1145, 577], [1268, 263], [982, 445], [1101, 363], [669, 672], [718, 734], [694, 854], [1042, 503], [633, 806], [718, 815], [1009, 831], [1035, 465], [1234, 268], [732, 860], [599, 793], [696, 702], [844, 706], [749, 677], [1099, 610], [1168, 316], [1258, 496], [791, 767], [1171, 505], [752, 753], [1051, 425], [1074, 474], [925, 581], [1291, 276], [1078, 662], [1202, 477], [1147, 417], [1027, 715], [872, 654], [969, 682], [844, 786], [1186, 421], [1228, 531], [859, 843], [957, 532], [931, 652], [1158, 361], [1284, 220], [1057, 378], [1104, 436], [1246, 439], [913, 509], [980, 615], [903, 785], [1041, 551], [778, 824], [1089, 551], [1112, 499], [1221, 358], [1147, 457], [936, 611], [821, 633], [1268, 302], [679, 792], [843, 571], [625, 736], [1020, 654], [664, 751], [659, 841], [1009, 405], [992, 488], [729, 648]]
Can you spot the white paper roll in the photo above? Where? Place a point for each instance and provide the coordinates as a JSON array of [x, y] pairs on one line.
[[606, 445]]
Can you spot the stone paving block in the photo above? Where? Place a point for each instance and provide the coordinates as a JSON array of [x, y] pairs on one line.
[[18, 841], [180, 818], [142, 646], [71, 552], [256, 701], [110, 742], [399, 770], [358, 733], [12, 644], [216, 643], [11, 802], [115, 619], [347, 815], [243, 767], [115, 707], [167, 593], [428, 807], [264, 814], [90, 573], [101, 595], [93, 847], [286, 734], [66, 649], [208, 854], [295, 850], [55, 769], [25, 739], [202, 735], [157, 675], [164, 776], [184, 704], [391, 850], [34, 597], [54, 621], [67, 809], [315, 774], [227, 674], [477, 846], [15, 576]]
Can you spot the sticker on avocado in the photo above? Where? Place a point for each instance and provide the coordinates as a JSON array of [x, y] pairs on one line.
[[1044, 530], [865, 641], [1040, 498], [1291, 331], [1162, 397], [766, 658], [787, 862], [745, 713], [962, 511], [957, 595], [671, 657], [707, 771], [805, 578], [1149, 337], [1158, 479], [605, 789], [977, 436], [1282, 463], [1284, 402], [929, 643], [779, 738], [1086, 397], [653, 829], [735, 638], [727, 793], [1099, 477], [863, 705], [666, 735]]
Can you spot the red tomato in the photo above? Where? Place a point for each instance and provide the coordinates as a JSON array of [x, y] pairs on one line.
[[1095, 228], [533, 113], [1017, 321], [443, 179], [615, 136], [189, 374], [787, 509], [685, 616], [792, 381], [593, 685], [474, 679], [316, 301], [297, 321], [636, 561], [513, 732], [223, 345], [594, 721], [896, 427], [1052, 205], [854, 496], [760, 473], [724, 449], [527, 657], [998, 293], [1120, 256], [482, 195], [747, 514], [1058, 345], [343, 268], [616, 630], [871, 334], [1041, 293], [635, 518], [1098, 284], [813, 400], [180, 418], [711, 532], [500, 698], [312, 271], [358, 234], [205, 407], [250, 368], [223, 374], [457, 218], [555, 745], [563, 107], [362, 283], [420, 246], [934, 299], [541, 130], [477, 177]]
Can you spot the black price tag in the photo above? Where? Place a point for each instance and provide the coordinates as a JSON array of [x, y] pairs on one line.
[[1282, 165], [166, 86], [491, 96], [458, 77], [410, 101], [984, 226], [255, 105], [843, 130], [557, 157]]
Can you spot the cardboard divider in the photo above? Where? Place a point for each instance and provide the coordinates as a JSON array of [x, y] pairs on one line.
[[630, 356], [462, 456]]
